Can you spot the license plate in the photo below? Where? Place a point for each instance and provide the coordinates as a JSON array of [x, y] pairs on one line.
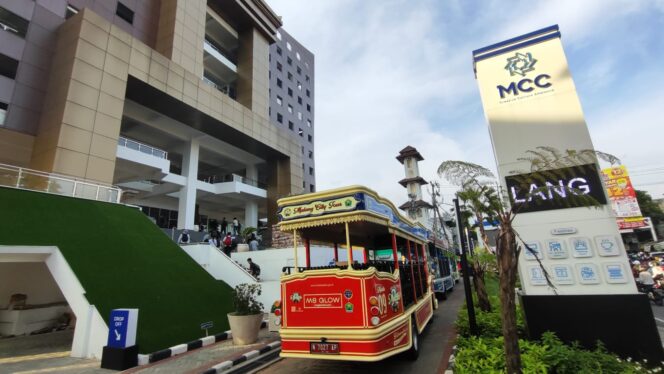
[[324, 348]]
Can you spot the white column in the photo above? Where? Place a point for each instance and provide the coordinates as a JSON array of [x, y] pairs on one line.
[[251, 206], [187, 203], [250, 213]]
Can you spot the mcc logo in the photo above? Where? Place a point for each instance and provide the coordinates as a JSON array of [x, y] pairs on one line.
[[521, 64]]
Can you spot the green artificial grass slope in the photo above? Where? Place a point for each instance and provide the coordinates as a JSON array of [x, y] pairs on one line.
[[123, 261]]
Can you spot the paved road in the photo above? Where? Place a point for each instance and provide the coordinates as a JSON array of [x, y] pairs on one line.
[[658, 312], [434, 341]]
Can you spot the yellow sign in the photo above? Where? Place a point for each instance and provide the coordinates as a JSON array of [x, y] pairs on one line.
[[317, 208]]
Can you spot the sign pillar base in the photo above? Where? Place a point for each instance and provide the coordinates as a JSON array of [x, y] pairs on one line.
[[623, 323], [119, 358]]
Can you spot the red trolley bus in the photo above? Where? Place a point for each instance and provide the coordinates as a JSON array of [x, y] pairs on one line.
[[359, 309]]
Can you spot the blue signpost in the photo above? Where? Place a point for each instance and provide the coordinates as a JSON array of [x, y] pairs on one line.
[[121, 351]]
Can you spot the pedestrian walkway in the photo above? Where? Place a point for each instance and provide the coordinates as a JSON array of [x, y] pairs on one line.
[[44, 353], [201, 359]]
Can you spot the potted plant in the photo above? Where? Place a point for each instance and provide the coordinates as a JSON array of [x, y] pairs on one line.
[[246, 320], [243, 246]]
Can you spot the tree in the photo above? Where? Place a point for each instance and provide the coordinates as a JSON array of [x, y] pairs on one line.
[[480, 201], [546, 163], [649, 208]]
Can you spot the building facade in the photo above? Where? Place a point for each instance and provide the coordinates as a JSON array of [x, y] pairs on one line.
[[292, 98], [167, 99]]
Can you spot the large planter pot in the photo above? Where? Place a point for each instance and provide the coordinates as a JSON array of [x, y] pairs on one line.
[[243, 247], [245, 328]]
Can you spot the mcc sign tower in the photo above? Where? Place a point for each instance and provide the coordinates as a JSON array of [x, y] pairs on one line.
[[529, 101]]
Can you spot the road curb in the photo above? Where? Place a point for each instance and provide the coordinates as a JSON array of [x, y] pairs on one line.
[[246, 357], [186, 347]]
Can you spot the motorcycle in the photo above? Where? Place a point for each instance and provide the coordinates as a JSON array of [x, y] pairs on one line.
[[655, 295]]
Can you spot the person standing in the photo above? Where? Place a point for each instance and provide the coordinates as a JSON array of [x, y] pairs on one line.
[[228, 243], [253, 243], [236, 226], [224, 226]]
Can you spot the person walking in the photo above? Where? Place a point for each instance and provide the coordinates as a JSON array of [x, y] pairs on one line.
[[236, 226], [253, 243], [228, 243]]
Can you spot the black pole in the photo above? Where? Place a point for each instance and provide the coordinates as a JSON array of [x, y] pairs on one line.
[[466, 276]]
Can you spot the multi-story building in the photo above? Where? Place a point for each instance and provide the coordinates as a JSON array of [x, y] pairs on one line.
[[292, 98], [167, 99]]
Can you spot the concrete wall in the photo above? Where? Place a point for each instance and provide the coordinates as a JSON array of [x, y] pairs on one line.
[[30, 278]]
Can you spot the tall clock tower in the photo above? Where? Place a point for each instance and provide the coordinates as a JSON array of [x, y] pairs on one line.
[[416, 207]]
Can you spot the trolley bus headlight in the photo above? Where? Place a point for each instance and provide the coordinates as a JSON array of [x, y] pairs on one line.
[[373, 300], [277, 312], [375, 311], [375, 321]]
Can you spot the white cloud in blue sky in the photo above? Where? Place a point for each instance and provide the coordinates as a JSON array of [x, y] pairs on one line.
[[391, 73]]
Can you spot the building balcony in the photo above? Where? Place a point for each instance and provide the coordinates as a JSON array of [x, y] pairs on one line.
[[232, 184], [139, 161]]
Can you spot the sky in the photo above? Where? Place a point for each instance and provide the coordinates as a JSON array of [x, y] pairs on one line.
[[392, 73]]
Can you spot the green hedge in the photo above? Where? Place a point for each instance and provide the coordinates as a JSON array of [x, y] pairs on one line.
[[123, 261], [550, 355]]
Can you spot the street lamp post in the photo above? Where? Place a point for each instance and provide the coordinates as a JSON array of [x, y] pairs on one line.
[[466, 276]]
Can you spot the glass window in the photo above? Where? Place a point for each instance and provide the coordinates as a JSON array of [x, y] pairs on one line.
[[299, 70], [279, 100], [311, 154], [309, 122], [299, 116], [3, 112], [125, 13], [290, 108], [310, 138], [13, 23], [308, 93], [297, 55], [278, 35], [306, 78], [8, 66], [279, 51], [280, 118], [290, 125], [304, 184], [289, 61], [312, 188], [311, 170], [300, 132], [290, 92], [279, 67], [308, 108], [279, 83], [290, 48], [299, 86], [299, 100], [290, 76]]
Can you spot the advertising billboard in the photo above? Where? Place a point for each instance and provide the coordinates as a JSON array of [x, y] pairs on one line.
[[530, 101], [623, 198]]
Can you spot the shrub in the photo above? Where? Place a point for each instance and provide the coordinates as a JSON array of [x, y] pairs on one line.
[[489, 324], [550, 355], [244, 299]]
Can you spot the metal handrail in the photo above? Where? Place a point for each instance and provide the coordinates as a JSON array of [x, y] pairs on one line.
[[142, 147], [35, 180]]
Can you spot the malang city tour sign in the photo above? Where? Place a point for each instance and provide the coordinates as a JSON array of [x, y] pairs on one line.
[[317, 208]]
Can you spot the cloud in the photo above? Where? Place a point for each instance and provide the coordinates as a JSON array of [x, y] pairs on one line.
[[394, 73]]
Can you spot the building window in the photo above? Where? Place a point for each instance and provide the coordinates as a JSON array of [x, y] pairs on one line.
[[302, 149], [290, 48], [289, 61], [125, 13], [299, 100], [308, 108], [311, 170], [299, 116], [290, 76], [279, 67], [306, 78], [299, 86], [280, 118], [311, 154], [13, 23], [290, 125], [279, 84], [309, 122], [300, 132], [312, 188], [278, 35], [279, 51], [3, 112], [310, 138], [297, 54], [299, 70], [304, 184], [290, 108], [8, 66], [71, 10], [290, 92], [308, 93], [279, 100], [303, 166]]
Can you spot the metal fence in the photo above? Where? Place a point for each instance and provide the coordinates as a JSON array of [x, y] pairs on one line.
[[141, 147], [34, 180]]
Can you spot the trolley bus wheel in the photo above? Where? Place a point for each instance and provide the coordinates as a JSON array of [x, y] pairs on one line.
[[414, 352]]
